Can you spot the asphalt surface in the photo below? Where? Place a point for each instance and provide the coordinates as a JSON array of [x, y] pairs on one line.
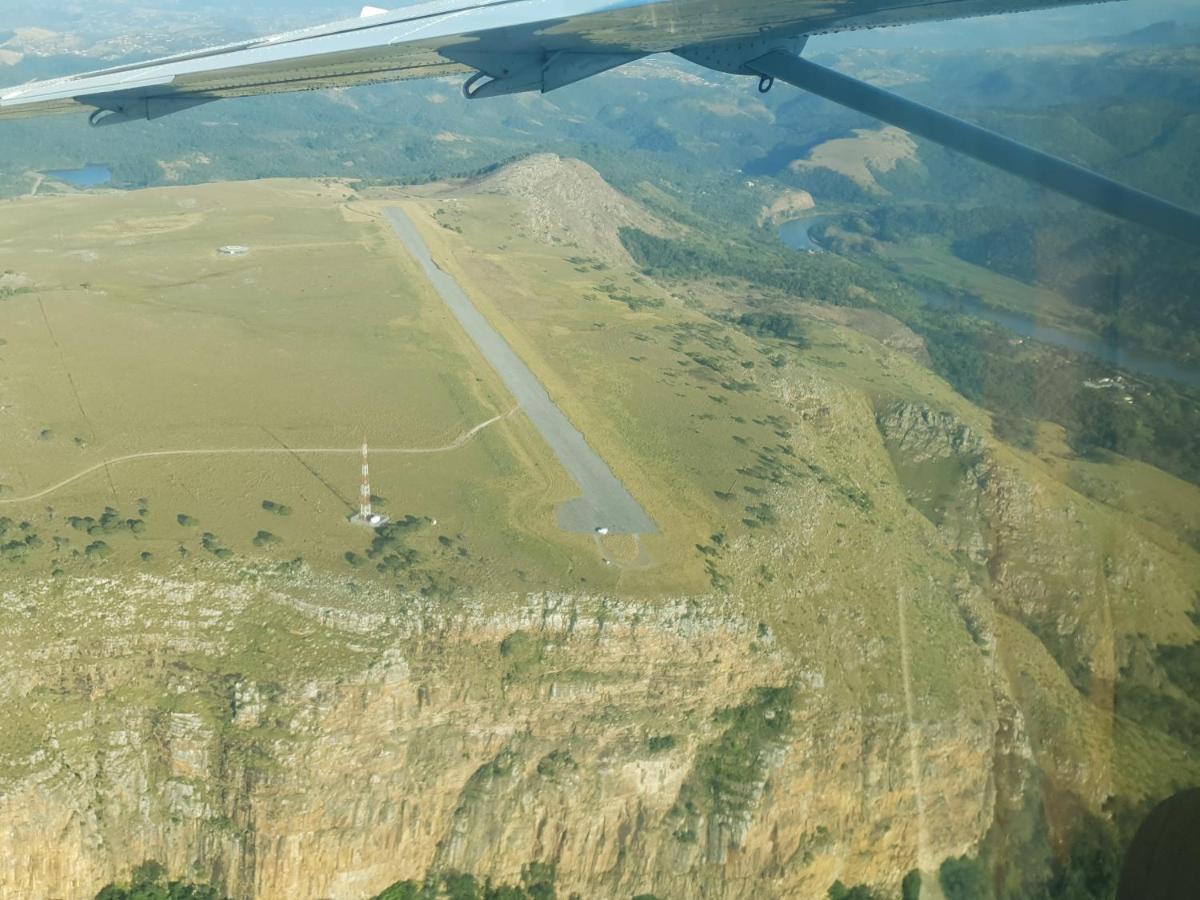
[[603, 502]]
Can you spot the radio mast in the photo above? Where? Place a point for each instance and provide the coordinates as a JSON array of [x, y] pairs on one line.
[[364, 498], [366, 516]]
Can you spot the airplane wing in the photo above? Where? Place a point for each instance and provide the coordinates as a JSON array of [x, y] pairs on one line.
[[515, 44]]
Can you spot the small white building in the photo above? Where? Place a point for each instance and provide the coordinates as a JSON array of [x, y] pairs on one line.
[[233, 250]]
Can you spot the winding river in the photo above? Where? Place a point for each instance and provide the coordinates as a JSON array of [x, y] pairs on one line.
[[796, 234]]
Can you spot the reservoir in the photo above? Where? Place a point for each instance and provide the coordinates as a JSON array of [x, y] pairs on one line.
[[91, 175]]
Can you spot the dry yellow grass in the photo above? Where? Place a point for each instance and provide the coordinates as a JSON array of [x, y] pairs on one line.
[[859, 158]]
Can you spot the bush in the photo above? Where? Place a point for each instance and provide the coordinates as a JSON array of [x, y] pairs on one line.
[[838, 891], [781, 326], [97, 550], [555, 763], [963, 879], [149, 882]]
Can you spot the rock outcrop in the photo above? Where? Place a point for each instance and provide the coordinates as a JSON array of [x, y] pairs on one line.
[[566, 201]]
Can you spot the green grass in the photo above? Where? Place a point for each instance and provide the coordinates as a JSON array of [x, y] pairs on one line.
[[141, 337]]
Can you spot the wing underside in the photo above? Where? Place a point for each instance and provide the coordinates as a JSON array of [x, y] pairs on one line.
[[424, 41]]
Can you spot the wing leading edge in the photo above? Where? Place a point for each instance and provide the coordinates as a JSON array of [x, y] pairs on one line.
[[447, 37]]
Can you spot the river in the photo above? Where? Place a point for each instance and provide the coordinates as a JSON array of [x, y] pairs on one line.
[[796, 234], [1108, 351]]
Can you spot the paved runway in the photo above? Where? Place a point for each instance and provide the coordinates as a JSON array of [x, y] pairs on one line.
[[603, 502]]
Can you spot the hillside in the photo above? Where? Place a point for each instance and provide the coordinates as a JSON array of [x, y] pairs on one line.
[[871, 636], [565, 201]]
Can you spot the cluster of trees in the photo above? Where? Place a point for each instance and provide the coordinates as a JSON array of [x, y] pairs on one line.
[[212, 544], [266, 539], [1089, 870], [726, 771], [757, 258], [20, 543], [149, 882], [781, 326], [110, 522], [537, 883], [1169, 699], [910, 889]]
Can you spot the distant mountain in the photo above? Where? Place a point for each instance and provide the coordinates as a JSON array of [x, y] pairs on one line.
[[1159, 34]]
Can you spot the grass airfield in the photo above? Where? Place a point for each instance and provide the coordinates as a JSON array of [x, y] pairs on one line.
[[157, 392], [135, 335], [132, 334]]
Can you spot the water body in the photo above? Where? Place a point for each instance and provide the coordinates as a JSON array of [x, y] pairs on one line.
[[1107, 351], [796, 234], [91, 175], [603, 502]]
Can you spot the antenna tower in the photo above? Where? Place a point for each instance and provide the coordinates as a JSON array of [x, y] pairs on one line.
[[364, 498], [366, 515]]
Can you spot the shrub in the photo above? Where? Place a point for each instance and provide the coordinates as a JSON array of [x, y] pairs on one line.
[[963, 879]]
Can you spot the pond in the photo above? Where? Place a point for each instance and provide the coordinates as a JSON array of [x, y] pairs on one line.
[[91, 175]]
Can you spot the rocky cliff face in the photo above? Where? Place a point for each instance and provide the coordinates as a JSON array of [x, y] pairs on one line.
[[663, 750], [1065, 591]]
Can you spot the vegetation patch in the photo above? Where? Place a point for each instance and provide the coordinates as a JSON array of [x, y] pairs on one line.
[[537, 883], [730, 771]]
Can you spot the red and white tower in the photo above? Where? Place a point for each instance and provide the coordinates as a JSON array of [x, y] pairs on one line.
[[364, 497], [366, 515]]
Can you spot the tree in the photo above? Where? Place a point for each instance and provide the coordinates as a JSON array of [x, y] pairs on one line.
[[97, 550], [149, 872], [910, 887], [963, 879], [402, 890], [838, 891]]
